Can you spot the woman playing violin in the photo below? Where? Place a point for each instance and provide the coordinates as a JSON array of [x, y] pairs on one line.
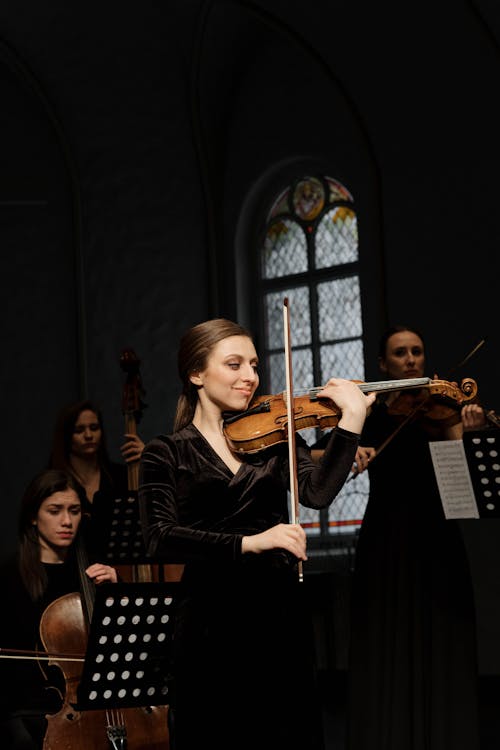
[[43, 569], [242, 662], [413, 646]]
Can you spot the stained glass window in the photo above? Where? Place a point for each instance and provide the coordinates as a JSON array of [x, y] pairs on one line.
[[310, 256]]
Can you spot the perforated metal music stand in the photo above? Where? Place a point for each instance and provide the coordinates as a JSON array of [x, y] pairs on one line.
[[117, 528], [129, 647], [482, 451]]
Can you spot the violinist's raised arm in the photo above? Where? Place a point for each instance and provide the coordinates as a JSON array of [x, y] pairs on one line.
[[242, 639]]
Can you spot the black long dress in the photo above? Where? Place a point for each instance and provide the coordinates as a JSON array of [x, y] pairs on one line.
[[242, 650], [413, 668]]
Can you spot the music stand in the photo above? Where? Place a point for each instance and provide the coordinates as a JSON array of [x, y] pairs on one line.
[[128, 655], [482, 451], [118, 531]]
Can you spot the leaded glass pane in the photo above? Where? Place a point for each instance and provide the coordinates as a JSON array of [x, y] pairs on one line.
[[310, 434], [280, 205], [309, 519], [339, 309], [299, 313], [285, 250], [347, 511], [337, 238], [343, 360], [301, 366], [338, 191]]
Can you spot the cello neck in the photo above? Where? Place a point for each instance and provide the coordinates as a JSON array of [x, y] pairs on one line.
[[87, 586]]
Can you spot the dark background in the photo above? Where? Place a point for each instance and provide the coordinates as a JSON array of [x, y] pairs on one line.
[[140, 145]]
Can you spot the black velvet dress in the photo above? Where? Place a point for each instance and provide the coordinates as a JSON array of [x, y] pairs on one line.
[[243, 648], [413, 669]]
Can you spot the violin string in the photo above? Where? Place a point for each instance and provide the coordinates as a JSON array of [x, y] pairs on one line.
[[41, 658], [376, 385]]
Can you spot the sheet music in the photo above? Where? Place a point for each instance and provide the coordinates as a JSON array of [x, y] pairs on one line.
[[453, 478]]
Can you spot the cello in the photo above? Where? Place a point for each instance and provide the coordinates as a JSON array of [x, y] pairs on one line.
[[64, 631]]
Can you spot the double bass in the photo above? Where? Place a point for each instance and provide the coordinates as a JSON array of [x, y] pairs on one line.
[[132, 405]]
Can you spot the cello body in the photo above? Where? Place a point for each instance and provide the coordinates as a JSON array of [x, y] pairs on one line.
[[63, 630]]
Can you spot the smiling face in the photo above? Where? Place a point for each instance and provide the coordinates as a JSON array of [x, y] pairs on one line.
[[404, 356], [57, 521], [230, 377], [87, 435]]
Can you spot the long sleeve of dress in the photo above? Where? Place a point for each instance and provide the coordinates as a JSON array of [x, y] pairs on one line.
[[193, 507]]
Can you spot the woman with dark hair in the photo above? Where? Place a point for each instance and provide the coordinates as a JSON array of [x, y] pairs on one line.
[[413, 671], [79, 446], [242, 646], [44, 568]]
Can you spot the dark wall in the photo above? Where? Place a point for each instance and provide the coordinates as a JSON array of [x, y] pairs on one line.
[[140, 144]]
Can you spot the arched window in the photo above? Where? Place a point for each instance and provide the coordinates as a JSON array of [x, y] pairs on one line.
[[310, 255]]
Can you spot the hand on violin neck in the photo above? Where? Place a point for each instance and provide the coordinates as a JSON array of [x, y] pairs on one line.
[[473, 417], [287, 536], [351, 401]]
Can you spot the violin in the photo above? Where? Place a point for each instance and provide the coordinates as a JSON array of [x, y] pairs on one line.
[[265, 422], [439, 402]]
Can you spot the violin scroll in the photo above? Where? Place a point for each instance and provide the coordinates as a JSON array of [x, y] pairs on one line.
[[439, 402]]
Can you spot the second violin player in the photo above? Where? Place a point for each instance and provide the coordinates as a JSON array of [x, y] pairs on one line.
[[413, 671]]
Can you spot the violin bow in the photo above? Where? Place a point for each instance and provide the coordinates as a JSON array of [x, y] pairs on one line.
[[292, 454], [467, 357], [393, 434]]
